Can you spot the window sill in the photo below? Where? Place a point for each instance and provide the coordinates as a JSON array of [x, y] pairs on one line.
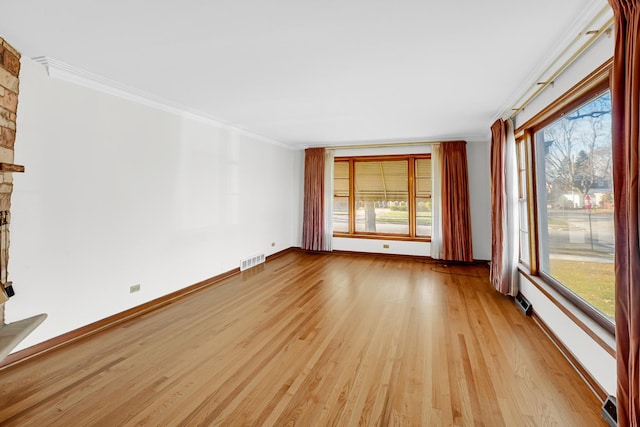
[[598, 333], [10, 167], [383, 237]]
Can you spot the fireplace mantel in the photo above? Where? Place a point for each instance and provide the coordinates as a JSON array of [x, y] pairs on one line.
[[10, 167]]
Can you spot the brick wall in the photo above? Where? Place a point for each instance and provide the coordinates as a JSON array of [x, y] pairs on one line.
[[9, 82]]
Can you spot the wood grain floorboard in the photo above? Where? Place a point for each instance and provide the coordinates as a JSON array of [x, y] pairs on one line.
[[311, 339]]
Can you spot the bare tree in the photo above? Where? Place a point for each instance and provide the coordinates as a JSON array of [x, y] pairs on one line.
[[578, 149]]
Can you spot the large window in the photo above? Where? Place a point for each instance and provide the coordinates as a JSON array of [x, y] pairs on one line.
[[383, 197], [575, 201]]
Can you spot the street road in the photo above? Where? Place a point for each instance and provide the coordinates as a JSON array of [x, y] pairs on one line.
[[576, 230]]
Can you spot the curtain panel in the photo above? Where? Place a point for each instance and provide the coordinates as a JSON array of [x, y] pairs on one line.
[[625, 103], [328, 201], [313, 236], [498, 199], [504, 216], [456, 212]]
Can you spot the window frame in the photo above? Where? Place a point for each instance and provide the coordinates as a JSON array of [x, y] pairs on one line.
[[523, 160], [411, 161], [592, 86]]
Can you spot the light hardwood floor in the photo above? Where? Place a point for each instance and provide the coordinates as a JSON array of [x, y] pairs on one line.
[[310, 339]]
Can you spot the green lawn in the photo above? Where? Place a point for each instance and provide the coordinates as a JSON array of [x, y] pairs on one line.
[[594, 281], [401, 217]]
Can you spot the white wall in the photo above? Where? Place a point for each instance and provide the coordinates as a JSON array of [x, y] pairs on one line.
[[395, 247], [479, 159], [116, 193], [592, 356]]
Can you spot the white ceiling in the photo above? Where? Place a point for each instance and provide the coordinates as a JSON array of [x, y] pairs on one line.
[[318, 72]]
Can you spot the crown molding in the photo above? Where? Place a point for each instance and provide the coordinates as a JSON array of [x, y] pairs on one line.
[[69, 73]]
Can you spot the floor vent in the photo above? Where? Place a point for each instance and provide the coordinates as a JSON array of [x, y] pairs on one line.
[[523, 304], [610, 411], [247, 263]]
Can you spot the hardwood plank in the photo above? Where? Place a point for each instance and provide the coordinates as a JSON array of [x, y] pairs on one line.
[[313, 339]]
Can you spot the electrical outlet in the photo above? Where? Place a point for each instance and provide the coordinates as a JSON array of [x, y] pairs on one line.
[[134, 288], [385, 246]]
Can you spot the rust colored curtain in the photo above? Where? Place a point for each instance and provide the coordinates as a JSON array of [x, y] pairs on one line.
[[456, 212], [625, 104], [313, 215]]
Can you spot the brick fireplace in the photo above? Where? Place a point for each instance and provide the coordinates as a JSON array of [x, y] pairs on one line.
[[10, 333], [9, 89]]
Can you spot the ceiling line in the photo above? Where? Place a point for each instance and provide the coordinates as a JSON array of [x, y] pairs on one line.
[[60, 70]]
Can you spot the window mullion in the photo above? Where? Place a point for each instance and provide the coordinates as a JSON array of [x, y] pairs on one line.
[[352, 197], [531, 203], [412, 197]]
